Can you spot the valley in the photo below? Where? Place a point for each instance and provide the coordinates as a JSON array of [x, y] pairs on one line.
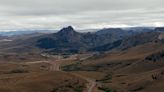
[[109, 60], [81, 46]]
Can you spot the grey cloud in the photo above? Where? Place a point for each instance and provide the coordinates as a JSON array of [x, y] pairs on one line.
[[80, 13]]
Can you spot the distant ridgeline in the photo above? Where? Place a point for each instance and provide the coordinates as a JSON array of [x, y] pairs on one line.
[[68, 41]]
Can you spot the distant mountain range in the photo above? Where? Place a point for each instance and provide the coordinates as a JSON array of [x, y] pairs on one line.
[[32, 31], [69, 41], [25, 32]]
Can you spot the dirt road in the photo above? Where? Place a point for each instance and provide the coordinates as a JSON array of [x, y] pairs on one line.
[[91, 86], [91, 83], [55, 66]]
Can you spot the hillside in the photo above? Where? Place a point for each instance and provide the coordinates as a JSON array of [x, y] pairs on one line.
[[37, 76], [124, 67]]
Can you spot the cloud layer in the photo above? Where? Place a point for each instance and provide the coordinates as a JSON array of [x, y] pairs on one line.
[[54, 14]]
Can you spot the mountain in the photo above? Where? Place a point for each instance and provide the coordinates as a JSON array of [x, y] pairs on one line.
[[68, 40], [107, 47], [159, 29], [139, 29], [129, 41], [63, 41], [114, 32], [139, 39]]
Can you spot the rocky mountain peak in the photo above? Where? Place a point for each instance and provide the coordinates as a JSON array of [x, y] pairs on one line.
[[67, 31]]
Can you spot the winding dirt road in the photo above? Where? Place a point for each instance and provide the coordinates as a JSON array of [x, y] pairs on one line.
[[91, 85], [55, 66]]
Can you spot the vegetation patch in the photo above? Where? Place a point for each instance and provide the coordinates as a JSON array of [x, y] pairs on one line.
[[70, 87], [72, 67], [137, 89], [105, 89], [106, 79], [17, 71]]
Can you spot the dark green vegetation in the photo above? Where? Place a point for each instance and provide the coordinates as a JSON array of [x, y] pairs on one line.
[[72, 67], [156, 56], [67, 86], [17, 71], [106, 89], [106, 79], [138, 89], [107, 47]]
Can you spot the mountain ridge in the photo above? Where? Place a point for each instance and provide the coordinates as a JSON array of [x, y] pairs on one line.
[[68, 40]]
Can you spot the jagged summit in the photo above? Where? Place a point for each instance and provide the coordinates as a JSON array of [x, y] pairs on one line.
[[69, 27], [67, 30]]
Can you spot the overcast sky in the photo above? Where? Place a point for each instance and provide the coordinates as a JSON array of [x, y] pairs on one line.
[[82, 14]]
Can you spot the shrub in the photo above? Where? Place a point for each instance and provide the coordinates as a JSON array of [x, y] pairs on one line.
[[18, 71], [106, 89], [105, 79]]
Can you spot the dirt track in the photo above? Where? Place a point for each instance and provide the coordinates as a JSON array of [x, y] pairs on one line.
[[55, 66]]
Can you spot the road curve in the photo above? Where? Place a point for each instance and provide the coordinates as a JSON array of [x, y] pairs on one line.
[[92, 85], [55, 66]]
